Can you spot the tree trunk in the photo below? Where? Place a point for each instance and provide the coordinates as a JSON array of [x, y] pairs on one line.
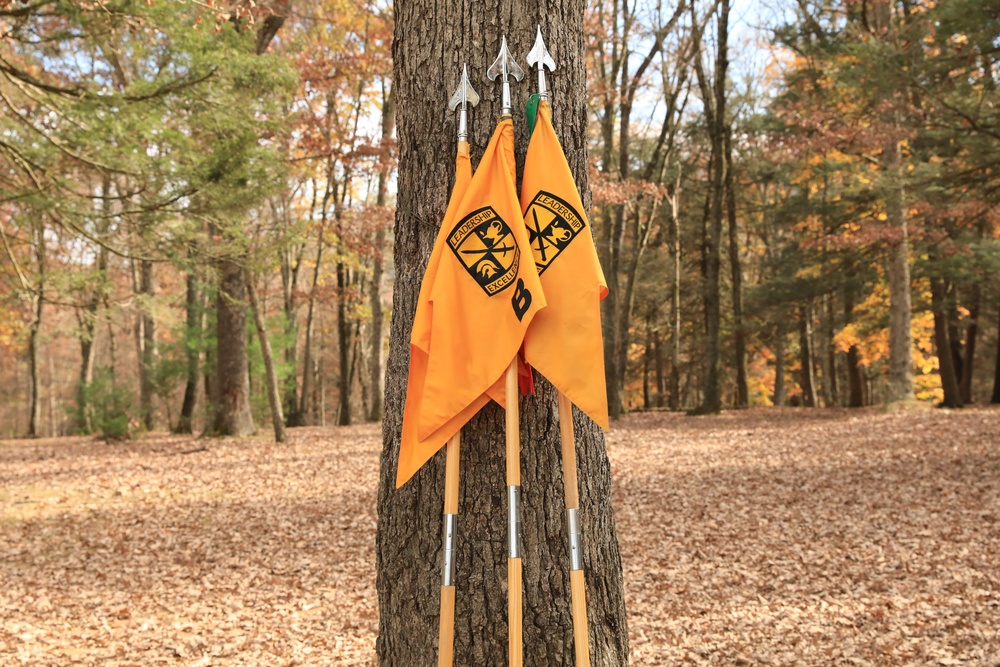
[[736, 273], [658, 347], [675, 305], [273, 391], [946, 364], [307, 349], [855, 381], [806, 352], [830, 366], [408, 546], [376, 376], [35, 407], [34, 329], [344, 343], [971, 333], [232, 379], [995, 398], [193, 339], [712, 401], [900, 308], [146, 335], [778, 398]]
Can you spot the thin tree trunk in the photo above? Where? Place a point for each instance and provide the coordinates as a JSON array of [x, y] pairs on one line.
[[273, 391], [193, 338], [946, 365], [778, 398], [408, 545], [855, 381], [808, 380], [34, 329], [971, 333], [658, 347], [830, 367], [995, 398], [307, 348], [145, 337], [376, 376], [675, 304], [344, 342], [736, 273]]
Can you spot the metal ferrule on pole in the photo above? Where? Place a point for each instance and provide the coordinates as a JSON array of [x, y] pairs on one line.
[[463, 124], [505, 106], [514, 521], [450, 528], [543, 92], [575, 539]]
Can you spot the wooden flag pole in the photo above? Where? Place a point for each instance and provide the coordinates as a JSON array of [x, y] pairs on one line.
[[446, 631], [514, 586], [581, 636]]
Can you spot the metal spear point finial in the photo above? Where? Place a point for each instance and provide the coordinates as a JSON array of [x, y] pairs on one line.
[[505, 66], [464, 95], [539, 55]]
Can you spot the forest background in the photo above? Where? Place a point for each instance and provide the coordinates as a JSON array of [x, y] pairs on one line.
[[794, 204]]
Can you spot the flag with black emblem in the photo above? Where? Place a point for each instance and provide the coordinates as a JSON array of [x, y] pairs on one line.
[[479, 294], [564, 341]]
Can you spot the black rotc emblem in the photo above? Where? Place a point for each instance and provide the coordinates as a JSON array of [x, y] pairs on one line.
[[485, 246], [552, 224]]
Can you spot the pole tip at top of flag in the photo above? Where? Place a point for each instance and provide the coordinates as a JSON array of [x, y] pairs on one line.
[[540, 56], [502, 67], [463, 96]]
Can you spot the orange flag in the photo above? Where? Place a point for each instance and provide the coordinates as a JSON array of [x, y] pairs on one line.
[[479, 294], [564, 341]]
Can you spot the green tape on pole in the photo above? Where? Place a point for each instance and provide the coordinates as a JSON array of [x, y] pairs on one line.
[[531, 111]]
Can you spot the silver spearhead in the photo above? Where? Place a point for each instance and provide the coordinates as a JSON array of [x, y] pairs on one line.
[[539, 55], [505, 66], [464, 96]]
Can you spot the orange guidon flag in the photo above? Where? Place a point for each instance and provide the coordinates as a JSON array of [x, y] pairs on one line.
[[479, 294], [564, 341]]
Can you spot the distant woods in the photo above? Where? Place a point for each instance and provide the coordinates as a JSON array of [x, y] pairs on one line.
[[195, 207], [809, 222]]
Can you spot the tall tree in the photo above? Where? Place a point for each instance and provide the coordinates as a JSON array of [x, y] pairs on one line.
[[408, 542], [714, 97]]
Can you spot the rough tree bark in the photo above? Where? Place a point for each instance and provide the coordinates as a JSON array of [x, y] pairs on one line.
[[432, 40], [232, 379]]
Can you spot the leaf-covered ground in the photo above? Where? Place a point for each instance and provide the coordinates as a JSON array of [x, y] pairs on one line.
[[765, 537]]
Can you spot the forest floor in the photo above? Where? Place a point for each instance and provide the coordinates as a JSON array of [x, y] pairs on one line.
[[761, 537]]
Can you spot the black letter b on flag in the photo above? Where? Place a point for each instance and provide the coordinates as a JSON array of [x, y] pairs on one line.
[[521, 300]]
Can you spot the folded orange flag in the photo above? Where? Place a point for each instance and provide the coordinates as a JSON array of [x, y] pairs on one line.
[[564, 341], [479, 294]]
